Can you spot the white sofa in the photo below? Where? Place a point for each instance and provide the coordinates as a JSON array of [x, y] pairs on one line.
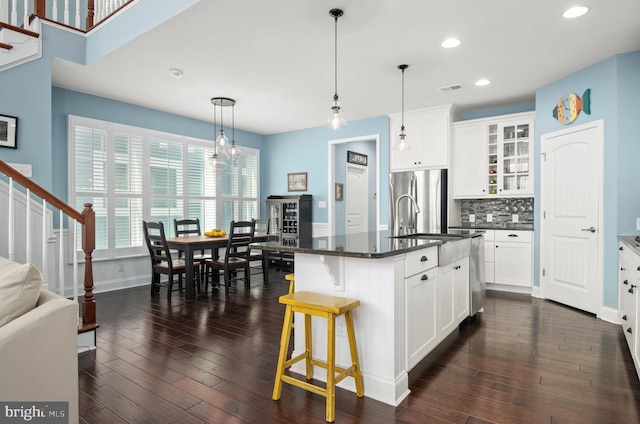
[[38, 340]]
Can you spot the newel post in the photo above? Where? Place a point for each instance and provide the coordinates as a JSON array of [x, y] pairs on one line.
[[40, 9], [88, 246], [90, 13]]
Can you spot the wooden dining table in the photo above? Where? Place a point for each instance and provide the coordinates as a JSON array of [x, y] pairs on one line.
[[190, 244]]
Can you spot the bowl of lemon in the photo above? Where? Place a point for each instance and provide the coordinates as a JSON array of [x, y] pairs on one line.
[[216, 232]]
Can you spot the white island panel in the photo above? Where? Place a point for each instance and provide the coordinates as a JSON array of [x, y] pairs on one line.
[[379, 321]]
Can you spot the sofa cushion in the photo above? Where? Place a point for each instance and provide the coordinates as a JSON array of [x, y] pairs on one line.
[[20, 286]]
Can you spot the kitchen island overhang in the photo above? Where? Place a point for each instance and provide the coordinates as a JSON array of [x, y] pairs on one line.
[[372, 268]]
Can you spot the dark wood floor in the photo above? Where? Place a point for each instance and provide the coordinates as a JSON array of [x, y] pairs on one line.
[[524, 361]]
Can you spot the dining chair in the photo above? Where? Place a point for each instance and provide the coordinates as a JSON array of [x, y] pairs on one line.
[[237, 254], [161, 259], [261, 227], [191, 227]]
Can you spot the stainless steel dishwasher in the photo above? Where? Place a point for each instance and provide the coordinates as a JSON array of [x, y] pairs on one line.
[[477, 283]]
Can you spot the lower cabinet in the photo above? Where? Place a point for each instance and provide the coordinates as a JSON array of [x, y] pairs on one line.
[[437, 300], [512, 256], [629, 299], [453, 296], [421, 295]]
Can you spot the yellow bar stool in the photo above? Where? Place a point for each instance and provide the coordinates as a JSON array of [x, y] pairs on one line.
[[329, 307], [291, 278]]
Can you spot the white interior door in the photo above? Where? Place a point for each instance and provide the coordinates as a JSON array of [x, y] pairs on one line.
[[356, 197], [571, 192]]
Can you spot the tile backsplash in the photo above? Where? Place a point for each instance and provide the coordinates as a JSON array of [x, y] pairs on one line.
[[501, 208]]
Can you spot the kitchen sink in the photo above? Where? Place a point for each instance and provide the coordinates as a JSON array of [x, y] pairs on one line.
[[453, 248], [430, 236]]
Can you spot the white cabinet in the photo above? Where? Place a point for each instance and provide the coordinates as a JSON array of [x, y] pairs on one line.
[[629, 299], [513, 258], [469, 168], [421, 282], [453, 296], [461, 296], [489, 256], [493, 157], [446, 297], [436, 301], [511, 157], [428, 133], [421, 295], [508, 257]]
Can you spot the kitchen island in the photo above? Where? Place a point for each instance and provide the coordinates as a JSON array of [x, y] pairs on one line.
[[410, 300]]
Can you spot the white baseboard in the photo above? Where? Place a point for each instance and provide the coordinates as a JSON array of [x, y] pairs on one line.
[[508, 288], [87, 341], [609, 314], [535, 292]]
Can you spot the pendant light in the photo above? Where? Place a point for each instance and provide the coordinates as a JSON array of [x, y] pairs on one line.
[[336, 119], [401, 142], [221, 142], [234, 152]]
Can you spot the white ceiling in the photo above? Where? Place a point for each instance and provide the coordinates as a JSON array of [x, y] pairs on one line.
[[276, 57]]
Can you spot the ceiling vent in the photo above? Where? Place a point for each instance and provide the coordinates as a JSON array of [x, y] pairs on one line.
[[452, 87]]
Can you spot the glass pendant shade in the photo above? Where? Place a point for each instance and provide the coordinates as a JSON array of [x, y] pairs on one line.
[[401, 142], [216, 162], [222, 139], [336, 120]]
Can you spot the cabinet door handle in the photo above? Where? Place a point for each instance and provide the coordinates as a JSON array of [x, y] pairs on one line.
[[591, 229], [629, 330], [624, 317], [424, 259], [424, 277], [633, 286], [512, 235], [639, 268], [620, 248], [625, 282], [623, 269]]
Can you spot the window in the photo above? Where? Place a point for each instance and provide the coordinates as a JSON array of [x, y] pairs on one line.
[[130, 174]]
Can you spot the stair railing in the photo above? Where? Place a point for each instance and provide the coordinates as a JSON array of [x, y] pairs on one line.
[[86, 219], [60, 11]]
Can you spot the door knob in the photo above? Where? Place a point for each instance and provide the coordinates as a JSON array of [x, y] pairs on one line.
[[592, 229]]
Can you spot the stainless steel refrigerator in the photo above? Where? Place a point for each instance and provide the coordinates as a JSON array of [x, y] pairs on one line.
[[429, 189]]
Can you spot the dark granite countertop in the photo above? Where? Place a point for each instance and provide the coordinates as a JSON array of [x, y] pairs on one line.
[[494, 226], [369, 245]]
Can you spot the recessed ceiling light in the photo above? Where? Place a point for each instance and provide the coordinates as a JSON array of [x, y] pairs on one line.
[[482, 82], [574, 12], [176, 73], [450, 43]]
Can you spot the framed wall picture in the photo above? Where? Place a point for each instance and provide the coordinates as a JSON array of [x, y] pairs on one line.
[[8, 131], [339, 192], [297, 181], [357, 158]]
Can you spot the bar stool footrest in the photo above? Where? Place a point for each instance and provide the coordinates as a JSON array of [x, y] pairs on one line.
[[289, 362], [304, 385]]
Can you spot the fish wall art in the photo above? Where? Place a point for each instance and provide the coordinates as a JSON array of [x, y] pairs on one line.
[[570, 105]]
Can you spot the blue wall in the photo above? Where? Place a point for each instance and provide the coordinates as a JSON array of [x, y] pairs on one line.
[[307, 151], [615, 87], [26, 94]]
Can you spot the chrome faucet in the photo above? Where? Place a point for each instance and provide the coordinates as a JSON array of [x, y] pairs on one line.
[[396, 223]]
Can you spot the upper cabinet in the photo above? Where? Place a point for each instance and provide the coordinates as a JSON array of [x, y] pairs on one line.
[[493, 157], [428, 133]]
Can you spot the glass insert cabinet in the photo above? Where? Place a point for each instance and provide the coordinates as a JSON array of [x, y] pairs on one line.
[[510, 154]]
